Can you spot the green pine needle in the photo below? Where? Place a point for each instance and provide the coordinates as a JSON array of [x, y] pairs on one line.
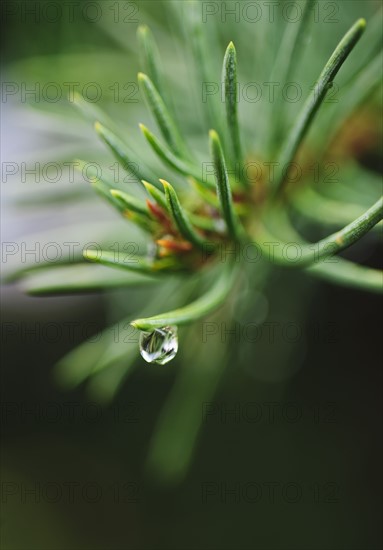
[[162, 115], [181, 219], [223, 186], [80, 278], [151, 57], [229, 77], [196, 310], [169, 158], [317, 96], [131, 203], [309, 254], [125, 156], [125, 260], [156, 194], [349, 274]]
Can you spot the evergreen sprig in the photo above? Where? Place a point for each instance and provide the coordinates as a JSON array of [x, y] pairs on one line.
[[195, 231]]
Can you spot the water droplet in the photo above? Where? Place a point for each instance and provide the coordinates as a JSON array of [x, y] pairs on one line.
[[159, 346]]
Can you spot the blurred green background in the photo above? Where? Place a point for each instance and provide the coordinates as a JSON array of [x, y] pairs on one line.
[[297, 464]]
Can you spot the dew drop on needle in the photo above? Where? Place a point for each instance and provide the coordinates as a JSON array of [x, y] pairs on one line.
[[159, 346]]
